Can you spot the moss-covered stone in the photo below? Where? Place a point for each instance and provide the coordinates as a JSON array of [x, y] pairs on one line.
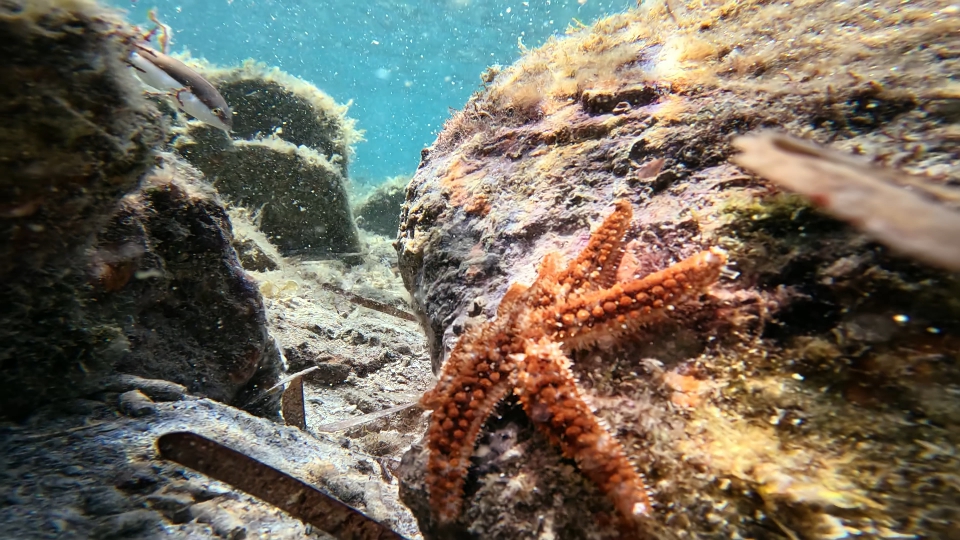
[[270, 102], [166, 273], [253, 257], [379, 211], [105, 266], [289, 166], [298, 196]]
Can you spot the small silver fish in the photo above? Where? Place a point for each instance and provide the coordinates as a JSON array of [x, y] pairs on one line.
[[191, 93]]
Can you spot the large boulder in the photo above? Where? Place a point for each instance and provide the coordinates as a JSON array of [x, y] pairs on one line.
[[288, 164], [124, 305], [808, 392], [379, 210], [114, 258], [165, 271]]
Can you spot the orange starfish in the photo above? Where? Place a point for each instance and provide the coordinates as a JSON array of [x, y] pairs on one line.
[[523, 349]]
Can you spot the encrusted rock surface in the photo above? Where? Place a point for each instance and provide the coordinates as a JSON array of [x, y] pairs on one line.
[[268, 101], [125, 306], [379, 210], [76, 136], [809, 395], [108, 267]]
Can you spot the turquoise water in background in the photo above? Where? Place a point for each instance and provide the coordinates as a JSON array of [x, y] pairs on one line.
[[403, 64]]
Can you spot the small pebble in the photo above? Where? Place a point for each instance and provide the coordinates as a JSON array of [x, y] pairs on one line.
[[224, 523], [131, 524], [135, 403], [155, 389]]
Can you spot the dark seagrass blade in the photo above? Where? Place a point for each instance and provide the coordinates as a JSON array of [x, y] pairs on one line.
[[292, 406], [297, 498]]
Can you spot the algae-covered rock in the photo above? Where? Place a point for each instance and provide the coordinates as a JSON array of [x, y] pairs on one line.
[[76, 136], [270, 102], [379, 211], [253, 257], [299, 198], [106, 268], [808, 394], [289, 166]]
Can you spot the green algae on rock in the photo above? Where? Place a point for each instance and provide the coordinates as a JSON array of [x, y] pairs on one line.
[[299, 198], [114, 257], [274, 102], [809, 395], [289, 166]]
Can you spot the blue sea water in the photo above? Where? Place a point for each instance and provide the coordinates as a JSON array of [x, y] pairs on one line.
[[403, 64]]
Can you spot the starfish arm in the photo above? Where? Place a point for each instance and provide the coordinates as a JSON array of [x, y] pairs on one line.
[[596, 267], [545, 289], [514, 295], [476, 376], [550, 396], [605, 316]]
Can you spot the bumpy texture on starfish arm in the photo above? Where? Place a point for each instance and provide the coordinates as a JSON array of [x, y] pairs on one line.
[[522, 350], [552, 400], [600, 317], [596, 266], [478, 374]]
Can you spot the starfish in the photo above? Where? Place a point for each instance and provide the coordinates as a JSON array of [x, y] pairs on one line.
[[524, 349]]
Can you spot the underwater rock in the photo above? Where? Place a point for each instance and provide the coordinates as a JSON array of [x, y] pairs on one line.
[[253, 257], [290, 166], [379, 211], [268, 101], [255, 251], [808, 394], [118, 278], [76, 136], [136, 403], [301, 204], [165, 270]]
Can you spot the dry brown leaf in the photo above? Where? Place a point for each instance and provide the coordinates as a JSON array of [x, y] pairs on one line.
[[868, 197]]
